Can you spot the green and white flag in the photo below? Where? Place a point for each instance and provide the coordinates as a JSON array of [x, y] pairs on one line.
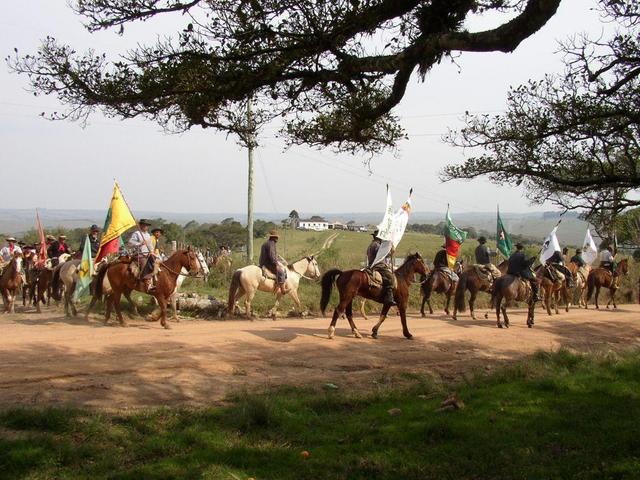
[[503, 240], [85, 271]]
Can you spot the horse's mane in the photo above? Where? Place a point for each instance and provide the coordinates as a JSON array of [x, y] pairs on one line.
[[410, 260]]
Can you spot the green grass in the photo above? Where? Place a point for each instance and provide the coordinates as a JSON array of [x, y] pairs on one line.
[[555, 415]]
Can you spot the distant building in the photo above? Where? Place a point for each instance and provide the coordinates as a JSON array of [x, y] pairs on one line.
[[337, 226], [357, 228], [315, 223]]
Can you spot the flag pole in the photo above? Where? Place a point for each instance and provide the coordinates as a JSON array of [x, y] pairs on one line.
[[149, 247], [556, 226]]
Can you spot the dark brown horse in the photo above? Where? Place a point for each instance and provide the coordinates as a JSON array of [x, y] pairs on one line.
[[10, 282], [602, 277], [352, 283], [43, 291], [511, 288], [473, 282], [438, 281], [123, 278]]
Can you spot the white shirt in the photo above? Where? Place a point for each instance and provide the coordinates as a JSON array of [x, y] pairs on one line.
[[7, 254], [606, 256], [140, 241]]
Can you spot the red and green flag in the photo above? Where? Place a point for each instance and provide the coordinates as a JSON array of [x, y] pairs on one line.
[[119, 220], [453, 239], [503, 240]]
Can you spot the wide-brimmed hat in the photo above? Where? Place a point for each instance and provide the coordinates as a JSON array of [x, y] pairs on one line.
[[274, 234], [51, 237], [94, 228], [375, 233], [144, 221], [482, 239], [63, 237], [157, 229], [10, 239], [519, 246]]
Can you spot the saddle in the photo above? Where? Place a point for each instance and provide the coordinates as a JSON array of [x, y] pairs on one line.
[[375, 278], [487, 273], [453, 276], [584, 273], [555, 274], [268, 274]]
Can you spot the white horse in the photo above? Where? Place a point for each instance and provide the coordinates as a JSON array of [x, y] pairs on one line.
[[63, 283], [248, 280], [204, 268]]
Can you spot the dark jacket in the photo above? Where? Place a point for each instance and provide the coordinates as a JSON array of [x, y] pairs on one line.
[[56, 249], [440, 260], [372, 250], [577, 259], [517, 263], [555, 258], [269, 255], [482, 255], [95, 246]]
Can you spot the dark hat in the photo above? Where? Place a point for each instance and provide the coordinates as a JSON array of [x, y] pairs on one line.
[[157, 229], [375, 233], [21, 243], [144, 221], [94, 228], [482, 239], [274, 234], [519, 246], [578, 250]]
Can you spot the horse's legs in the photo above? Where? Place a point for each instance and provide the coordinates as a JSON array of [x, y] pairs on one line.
[[247, 304], [69, 298], [556, 301], [296, 299], [109, 306], [349, 313], [403, 319], [504, 314], [274, 311], [612, 297], [362, 309], [424, 300], [162, 302], [597, 293], [383, 315], [472, 301], [337, 312], [134, 305], [115, 299], [174, 307]]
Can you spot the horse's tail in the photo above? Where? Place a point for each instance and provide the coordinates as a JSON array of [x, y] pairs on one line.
[[460, 290], [233, 288], [100, 281], [55, 285], [591, 280], [327, 285]]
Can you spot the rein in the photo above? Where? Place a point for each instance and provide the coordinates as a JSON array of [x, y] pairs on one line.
[[189, 274]]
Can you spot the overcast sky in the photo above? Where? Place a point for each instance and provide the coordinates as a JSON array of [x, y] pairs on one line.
[[61, 165]]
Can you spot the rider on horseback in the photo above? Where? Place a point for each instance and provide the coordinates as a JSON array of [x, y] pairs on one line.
[[483, 254], [93, 241], [58, 248], [577, 259], [440, 262], [383, 267], [269, 260], [140, 242], [608, 260], [521, 267], [10, 249], [556, 263]]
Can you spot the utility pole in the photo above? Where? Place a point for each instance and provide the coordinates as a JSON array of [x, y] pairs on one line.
[[250, 145]]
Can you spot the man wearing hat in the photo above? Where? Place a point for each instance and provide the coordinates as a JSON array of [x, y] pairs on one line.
[[269, 260], [577, 258], [156, 233], [383, 268], [93, 240], [483, 254], [521, 267], [141, 244], [441, 262], [10, 249], [57, 248]]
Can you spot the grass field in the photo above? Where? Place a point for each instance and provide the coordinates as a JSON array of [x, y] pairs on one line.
[[348, 252], [558, 415]]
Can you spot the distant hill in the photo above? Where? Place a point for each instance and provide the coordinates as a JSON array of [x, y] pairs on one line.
[[535, 225]]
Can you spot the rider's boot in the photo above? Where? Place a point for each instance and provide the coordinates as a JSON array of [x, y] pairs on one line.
[[388, 297]]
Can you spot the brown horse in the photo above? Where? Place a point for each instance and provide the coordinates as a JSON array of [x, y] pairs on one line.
[[473, 282], [511, 288], [43, 290], [105, 287], [580, 274], [351, 283], [552, 290], [10, 282], [439, 282], [602, 277], [123, 278]]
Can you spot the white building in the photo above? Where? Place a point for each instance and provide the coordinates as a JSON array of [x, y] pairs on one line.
[[313, 224]]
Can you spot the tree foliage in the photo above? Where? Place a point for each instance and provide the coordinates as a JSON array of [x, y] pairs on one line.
[[573, 138], [333, 70]]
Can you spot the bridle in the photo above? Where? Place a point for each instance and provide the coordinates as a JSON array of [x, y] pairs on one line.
[[188, 274]]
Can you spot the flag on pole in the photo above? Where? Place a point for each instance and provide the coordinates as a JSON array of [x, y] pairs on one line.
[[119, 220], [589, 249], [394, 227], [453, 239], [550, 246], [85, 270], [42, 254], [503, 240]]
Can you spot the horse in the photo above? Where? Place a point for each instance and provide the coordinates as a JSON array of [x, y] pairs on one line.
[[31, 272], [352, 283], [552, 289], [43, 286], [123, 278], [204, 268], [602, 277], [439, 282], [509, 288], [580, 274], [10, 282], [63, 284], [246, 281], [472, 281], [221, 262], [105, 287]]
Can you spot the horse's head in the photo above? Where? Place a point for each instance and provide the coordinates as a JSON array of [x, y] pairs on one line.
[[191, 263], [313, 270], [623, 266], [416, 264], [204, 268], [18, 262]]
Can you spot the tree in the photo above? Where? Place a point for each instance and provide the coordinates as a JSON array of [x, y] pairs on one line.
[[334, 70], [573, 139]]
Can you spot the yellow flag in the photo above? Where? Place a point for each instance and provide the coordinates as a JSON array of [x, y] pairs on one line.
[[119, 220]]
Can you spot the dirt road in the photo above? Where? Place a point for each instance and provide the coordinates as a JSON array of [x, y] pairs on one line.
[[49, 360]]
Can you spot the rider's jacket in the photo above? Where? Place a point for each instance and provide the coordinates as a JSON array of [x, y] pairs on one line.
[[440, 260], [140, 241], [8, 251], [517, 263]]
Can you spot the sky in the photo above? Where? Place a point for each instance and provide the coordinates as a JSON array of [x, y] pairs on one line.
[[61, 165]]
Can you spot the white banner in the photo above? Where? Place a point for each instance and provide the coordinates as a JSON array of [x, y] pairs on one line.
[[550, 246], [589, 249], [395, 228], [385, 227]]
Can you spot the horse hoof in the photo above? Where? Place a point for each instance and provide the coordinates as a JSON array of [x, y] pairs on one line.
[[332, 332], [356, 334], [454, 317], [374, 334], [486, 316], [529, 325], [408, 337], [167, 326], [424, 315], [499, 325]]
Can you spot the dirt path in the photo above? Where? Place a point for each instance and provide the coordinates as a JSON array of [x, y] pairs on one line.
[[329, 241], [49, 360]]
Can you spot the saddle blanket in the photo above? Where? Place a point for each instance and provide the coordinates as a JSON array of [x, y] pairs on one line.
[[375, 278], [487, 272]]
